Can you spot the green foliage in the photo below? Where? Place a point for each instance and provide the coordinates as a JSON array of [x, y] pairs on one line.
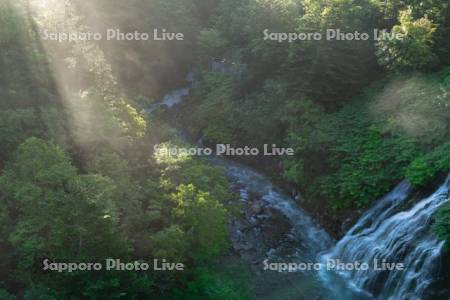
[[15, 127], [220, 285], [111, 164], [215, 95], [357, 154], [419, 172], [414, 50], [365, 162], [299, 115], [112, 204], [132, 123], [24, 70], [55, 124], [199, 202], [170, 243], [145, 68], [38, 292], [424, 169], [203, 219], [442, 224], [369, 165], [406, 104], [181, 168], [211, 43], [217, 99], [107, 285], [118, 202], [297, 94], [4, 295], [41, 181]]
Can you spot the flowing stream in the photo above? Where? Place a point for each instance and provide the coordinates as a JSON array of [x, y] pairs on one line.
[[396, 230], [390, 232]]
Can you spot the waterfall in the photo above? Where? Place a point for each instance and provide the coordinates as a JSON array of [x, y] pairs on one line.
[[399, 233], [394, 230]]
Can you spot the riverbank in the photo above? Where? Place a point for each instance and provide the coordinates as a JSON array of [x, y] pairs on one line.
[[276, 223], [336, 224]]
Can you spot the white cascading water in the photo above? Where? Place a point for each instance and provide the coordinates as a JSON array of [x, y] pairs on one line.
[[392, 230], [173, 97], [398, 235]]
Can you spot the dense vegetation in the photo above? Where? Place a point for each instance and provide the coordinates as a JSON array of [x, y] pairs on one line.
[[80, 180], [361, 115]]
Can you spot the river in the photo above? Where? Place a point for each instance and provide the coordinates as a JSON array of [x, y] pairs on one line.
[[275, 230]]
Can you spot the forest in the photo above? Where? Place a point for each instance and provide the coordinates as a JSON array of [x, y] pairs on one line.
[[81, 119]]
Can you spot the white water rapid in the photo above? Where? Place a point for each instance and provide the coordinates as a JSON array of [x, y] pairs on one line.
[[396, 232]]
